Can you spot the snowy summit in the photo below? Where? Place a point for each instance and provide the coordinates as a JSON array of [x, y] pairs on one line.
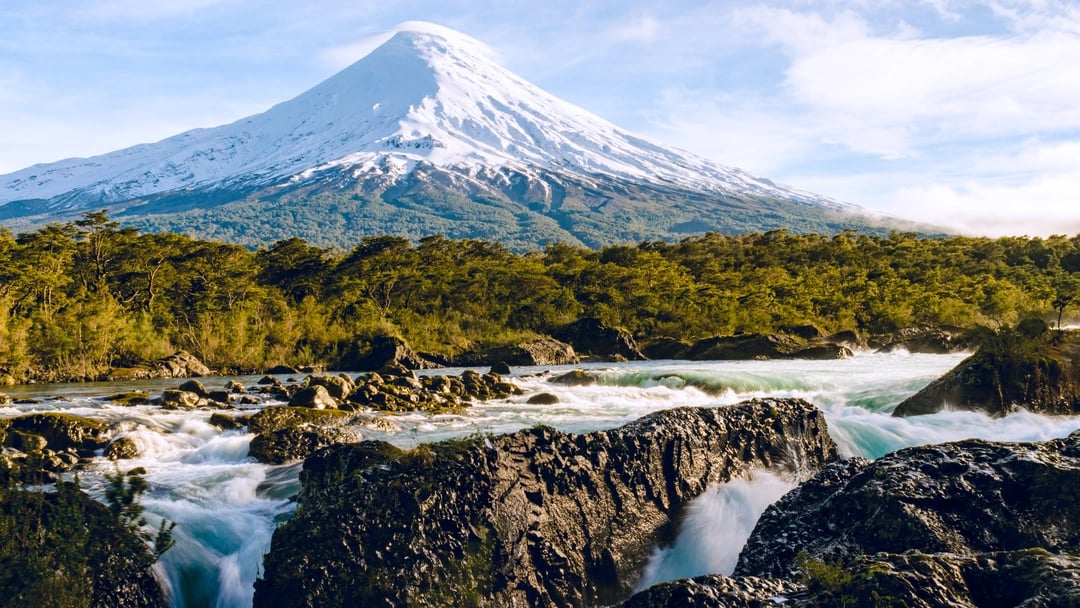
[[428, 106]]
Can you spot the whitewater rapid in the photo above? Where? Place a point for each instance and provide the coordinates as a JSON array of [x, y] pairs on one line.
[[226, 505]]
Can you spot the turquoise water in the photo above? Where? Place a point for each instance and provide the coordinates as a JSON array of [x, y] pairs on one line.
[[226, 505]]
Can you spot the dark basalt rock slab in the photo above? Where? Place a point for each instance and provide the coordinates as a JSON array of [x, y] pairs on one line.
[[1042, 377], [533, 518], [963, 498]]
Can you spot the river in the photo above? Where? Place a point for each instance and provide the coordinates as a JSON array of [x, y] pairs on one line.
[[226, 505]]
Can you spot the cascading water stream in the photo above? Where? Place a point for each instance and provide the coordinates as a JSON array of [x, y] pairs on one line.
[[227, 505]]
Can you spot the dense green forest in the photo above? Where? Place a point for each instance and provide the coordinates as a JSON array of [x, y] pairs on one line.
[[81, 297]]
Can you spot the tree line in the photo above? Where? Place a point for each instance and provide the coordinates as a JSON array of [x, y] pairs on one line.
[[79, 298]]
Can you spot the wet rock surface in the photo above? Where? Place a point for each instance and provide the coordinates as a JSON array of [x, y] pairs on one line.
[[541, 351], [536, 517], [1042, 376], [761, 346], [714, 591], [180, 364], [962, 498], [592, 337]]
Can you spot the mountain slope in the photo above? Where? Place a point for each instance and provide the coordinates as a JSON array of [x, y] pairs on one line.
[[424, 134]]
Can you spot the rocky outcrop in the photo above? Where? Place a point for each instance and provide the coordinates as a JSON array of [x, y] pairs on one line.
[[591, 337], [293, 444], [541, 351], [315, 397], [72, 551], [666, 348], [396, 389], [536, 517], [963, 498], [745, 347], [180, 364], [923, 340], [1029, 577], [289, 434], [714, 591], [365, 356], [1042, 376]]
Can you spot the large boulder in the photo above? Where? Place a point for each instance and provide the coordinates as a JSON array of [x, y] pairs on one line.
[[180, 364], [1029, 577], [369, 356], [964, 498], [533, 518], [541, 351], [316, 397], [72, 551], [666, 348], [714, 591], [64, 432], [289, 434], [745, 347], [1040, 374], [293, 444], [923, 340], [592, 337]]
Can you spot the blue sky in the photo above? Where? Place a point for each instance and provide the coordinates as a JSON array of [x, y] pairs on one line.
[[952, 111]]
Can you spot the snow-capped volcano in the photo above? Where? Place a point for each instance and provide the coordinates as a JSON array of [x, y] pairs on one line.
[[429, 107]]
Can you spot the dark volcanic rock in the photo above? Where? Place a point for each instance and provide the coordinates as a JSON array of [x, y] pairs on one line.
[[293, 444], [666, 348], [362, 356], [287, 434], [64, 431], [926, 340], [541, 351], [92, 559], [964, 498], [180, 364], [761, 346], [533, 518], [542, 399], [713, 591], [590, 336], [574, 377], [1041, 377], [122, 448], [316, 397], [1029, 577]]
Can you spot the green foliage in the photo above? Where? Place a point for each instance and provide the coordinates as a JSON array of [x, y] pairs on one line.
[[122, 492], [59, 548], [81, 298]]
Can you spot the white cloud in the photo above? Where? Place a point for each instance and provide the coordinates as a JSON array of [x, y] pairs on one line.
[[644, 28], [1045, 205]]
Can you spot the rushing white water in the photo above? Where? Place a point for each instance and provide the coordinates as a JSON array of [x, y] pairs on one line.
[[226, 505], [716, 526]]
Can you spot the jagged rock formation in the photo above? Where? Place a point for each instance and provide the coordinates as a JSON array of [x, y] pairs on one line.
[[541, 351], [760, 346], [964, 498], [380, 352], [713, 591], [180, 364], [536, 517], [592, 337], [1030, 577], [1041, 375], [61, 548], [928, 340]]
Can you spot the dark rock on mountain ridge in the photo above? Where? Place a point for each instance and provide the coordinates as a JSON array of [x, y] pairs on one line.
[[536, 517]]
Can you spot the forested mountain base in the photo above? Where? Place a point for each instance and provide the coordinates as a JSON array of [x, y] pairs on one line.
[[80, 298]]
